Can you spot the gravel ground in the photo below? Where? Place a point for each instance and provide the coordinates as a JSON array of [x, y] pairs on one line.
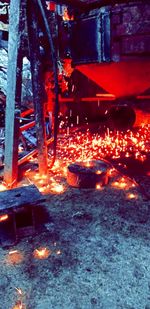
[[98, 253]]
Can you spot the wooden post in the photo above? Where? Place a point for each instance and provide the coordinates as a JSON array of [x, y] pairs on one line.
[[14, 73], [37, 85]]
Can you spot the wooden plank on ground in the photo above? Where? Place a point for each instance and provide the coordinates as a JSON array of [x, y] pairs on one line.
[[23, 196]]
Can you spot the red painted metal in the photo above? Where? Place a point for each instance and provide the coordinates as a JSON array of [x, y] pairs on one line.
[[120, 78]]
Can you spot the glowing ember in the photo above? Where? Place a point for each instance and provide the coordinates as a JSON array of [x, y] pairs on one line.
[[88, 164], [58, 252], [98, 172], [98, 186], [122, 185], [3, 218], [14, 257], [42, 189], [19, 291], [36, 176], [115, 184], [2, 187], [43, 177], [19, 305], [75, 146], [117, 145], [57, 188], [41, 253], [132, 196]]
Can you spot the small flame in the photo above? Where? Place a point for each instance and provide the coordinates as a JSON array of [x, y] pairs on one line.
[[41, 253], [98, 186], [88, 164], [3, 218], [132, 196], [19, 305], [98, 172], [14, 257]]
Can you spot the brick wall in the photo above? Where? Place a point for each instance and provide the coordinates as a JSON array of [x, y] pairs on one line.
[[130, 31]]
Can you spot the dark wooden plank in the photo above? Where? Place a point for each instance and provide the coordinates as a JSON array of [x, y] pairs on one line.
[[23, 196], [37, 85]]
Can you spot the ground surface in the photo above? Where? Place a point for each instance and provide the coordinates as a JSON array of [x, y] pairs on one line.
[[98, 253]]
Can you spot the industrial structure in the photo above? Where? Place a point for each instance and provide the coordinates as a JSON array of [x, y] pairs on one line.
[[103, 44]]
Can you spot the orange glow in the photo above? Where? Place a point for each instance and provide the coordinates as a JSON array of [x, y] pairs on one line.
[[42, 189], [66, 16], [122, 185], [3, 218], [36, 176], [88, 164], [119, 184], [111, 171], [2, 187], [41, 181], [41, 253], [98, 186], [14, 257], [43, 177], [65, 170], [57, 188], [19, 305], [98, 172], [131, 196], [142, 118], [115, 184]]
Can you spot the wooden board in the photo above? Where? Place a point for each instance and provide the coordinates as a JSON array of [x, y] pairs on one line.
[[23, 196]]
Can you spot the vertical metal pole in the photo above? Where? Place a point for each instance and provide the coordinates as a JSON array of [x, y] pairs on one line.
[[37, 85], [13, 90]]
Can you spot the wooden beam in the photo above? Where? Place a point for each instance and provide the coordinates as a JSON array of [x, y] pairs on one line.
[[14, 73], [37, 85]]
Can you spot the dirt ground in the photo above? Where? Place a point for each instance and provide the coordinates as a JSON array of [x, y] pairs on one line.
[[97, 253]]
